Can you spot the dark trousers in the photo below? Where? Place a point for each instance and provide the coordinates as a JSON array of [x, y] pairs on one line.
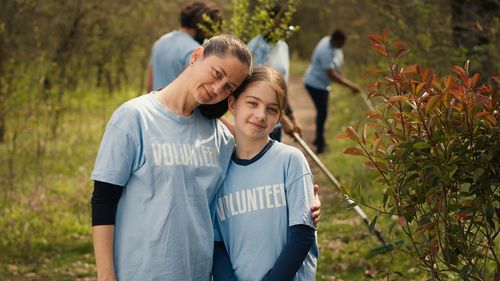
[[320, 100]]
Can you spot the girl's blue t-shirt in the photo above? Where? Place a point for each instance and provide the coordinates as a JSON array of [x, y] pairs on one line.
[[256, 205]]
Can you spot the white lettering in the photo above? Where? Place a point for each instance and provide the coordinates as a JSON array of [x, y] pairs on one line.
[[261, 198], [231, 206], [156, 153], [241, 203], [252, 200], [167, 154], [275, 195], [268, 198], [282, 191]]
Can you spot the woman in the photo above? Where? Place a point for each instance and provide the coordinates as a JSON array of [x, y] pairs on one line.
[[159, 165], [263, 206]]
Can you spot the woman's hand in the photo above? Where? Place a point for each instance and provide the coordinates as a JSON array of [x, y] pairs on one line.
[[316, 208]]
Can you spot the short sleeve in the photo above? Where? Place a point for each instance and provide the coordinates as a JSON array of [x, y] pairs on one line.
[[337, 60], [118, 153], [300, 192]]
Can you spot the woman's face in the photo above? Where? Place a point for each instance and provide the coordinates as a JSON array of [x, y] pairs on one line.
[[215, 78], [256, 111]]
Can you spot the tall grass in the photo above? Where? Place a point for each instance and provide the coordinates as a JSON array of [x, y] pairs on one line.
[[44, 210]]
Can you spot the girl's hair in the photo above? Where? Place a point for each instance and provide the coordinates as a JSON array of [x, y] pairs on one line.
[[221, 46], [263, 73]]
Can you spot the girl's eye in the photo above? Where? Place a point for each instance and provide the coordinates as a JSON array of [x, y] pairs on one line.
[[273, 110]]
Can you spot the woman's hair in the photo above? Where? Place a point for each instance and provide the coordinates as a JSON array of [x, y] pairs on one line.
[[263, 73], [221, 46]]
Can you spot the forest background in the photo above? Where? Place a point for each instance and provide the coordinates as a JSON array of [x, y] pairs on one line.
[[66, 65]]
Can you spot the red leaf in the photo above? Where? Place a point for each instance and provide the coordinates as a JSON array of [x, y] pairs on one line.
[[343, 137], [385, 34], [400, 53], [380, 49], [371, 165], [351, 133], [398, 43], [496, 79], [461, 73], [409, 69], [375, 38], [472, 82], [354, 151]]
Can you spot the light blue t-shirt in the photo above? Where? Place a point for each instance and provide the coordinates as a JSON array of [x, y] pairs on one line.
[[256, 205], [324, 57], [170, 55], [276, 56], [171, 167]]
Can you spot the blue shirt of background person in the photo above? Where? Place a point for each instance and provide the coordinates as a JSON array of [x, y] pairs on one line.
[[171, 52], [169, 56], [276, 56], [324, 57]]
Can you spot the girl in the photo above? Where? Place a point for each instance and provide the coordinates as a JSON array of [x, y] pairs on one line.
[[263, 206]]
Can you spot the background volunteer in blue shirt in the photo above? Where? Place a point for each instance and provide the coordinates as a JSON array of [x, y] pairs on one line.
[[276, 55], [326, 60], [172, 51], [158, 168], [263, 206]]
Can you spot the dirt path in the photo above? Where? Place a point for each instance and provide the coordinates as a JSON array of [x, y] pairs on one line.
[[303, 108]]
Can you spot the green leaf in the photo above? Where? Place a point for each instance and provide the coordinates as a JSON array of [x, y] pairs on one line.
[[432, 103], [477, 174], [420, 145], [489, 213]]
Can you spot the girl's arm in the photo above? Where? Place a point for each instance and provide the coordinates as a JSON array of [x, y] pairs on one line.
[[293, 254], [222, 269], [104, 202]]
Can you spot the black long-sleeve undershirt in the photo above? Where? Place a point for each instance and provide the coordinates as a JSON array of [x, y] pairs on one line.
[[104, 202]]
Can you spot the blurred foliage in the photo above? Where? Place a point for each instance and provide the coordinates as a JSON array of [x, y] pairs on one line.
[[435, 145]]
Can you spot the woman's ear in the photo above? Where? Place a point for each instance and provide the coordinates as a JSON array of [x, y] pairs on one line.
[[197, 54], [231, 104]]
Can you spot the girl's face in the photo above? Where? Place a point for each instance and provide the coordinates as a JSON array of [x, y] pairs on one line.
[[256, 111], [215, 78]]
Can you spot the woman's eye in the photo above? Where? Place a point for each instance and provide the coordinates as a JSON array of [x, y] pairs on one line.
[[229, 89], [217, 74]]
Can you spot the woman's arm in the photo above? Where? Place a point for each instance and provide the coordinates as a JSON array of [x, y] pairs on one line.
[[293, 254], [104, 202], [103, 250]]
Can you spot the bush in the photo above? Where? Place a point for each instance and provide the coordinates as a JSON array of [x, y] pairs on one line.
[[435, 146]]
